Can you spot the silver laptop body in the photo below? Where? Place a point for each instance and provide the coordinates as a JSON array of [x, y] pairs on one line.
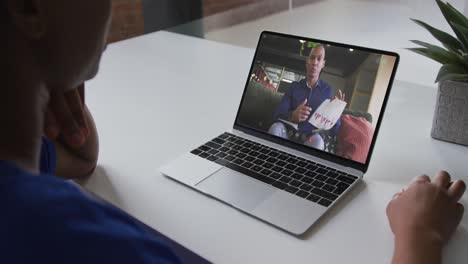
[[292, 202]]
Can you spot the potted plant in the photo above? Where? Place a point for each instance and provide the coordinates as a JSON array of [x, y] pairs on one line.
[[450, 121]]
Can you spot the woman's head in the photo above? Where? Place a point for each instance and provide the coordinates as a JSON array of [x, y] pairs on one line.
[[64, 39]]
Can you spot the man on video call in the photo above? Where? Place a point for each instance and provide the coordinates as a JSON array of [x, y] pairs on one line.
[[300, 102]]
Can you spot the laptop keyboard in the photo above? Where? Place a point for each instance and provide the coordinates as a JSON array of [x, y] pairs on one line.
[[301, 177]]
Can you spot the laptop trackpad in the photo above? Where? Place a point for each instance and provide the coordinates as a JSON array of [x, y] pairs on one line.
[[237, 189]]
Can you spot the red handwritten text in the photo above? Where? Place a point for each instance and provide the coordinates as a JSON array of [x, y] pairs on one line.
[[323, 120]]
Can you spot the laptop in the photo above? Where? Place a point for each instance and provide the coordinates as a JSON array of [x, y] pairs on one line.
[[304, 132]]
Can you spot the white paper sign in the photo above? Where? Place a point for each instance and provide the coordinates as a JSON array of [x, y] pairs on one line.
[[327, 114]]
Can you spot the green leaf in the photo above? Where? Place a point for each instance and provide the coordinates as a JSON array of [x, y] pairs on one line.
[[463, 31], [451, 14], [446, 39], [452, 72], [425, 52], [439, 54], [457, 58], [311, 44], [465, 57], [454, 77], [429, 46], [460, 16], [453, 17]]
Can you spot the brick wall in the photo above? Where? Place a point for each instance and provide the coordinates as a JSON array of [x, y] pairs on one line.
[[232, 12], [211, 7], [127, 20]]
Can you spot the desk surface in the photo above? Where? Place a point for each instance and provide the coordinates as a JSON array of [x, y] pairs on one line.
[[162, 94]]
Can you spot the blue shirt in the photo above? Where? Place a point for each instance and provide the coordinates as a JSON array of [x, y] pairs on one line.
[[296, 95], [45, 219], [48, 159]]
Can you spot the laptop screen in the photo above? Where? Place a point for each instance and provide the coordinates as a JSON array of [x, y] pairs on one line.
[[322, 95]]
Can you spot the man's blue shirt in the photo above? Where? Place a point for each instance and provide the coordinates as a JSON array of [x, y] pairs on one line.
[[296, 95], [49, 220]]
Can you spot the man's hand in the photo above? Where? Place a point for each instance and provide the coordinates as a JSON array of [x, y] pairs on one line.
[[301, 113], [70, 124], [341, 95], [66, 117]]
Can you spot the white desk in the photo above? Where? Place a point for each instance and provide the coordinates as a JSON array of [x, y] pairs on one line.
[[162, 94]]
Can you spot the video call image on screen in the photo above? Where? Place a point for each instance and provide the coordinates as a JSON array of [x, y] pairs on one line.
[[323, 96]]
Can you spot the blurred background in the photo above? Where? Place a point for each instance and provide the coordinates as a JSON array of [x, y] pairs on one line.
[[381, 24], [136, 17]]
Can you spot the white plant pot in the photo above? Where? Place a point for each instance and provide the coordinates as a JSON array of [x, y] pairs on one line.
[[451, 113]]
